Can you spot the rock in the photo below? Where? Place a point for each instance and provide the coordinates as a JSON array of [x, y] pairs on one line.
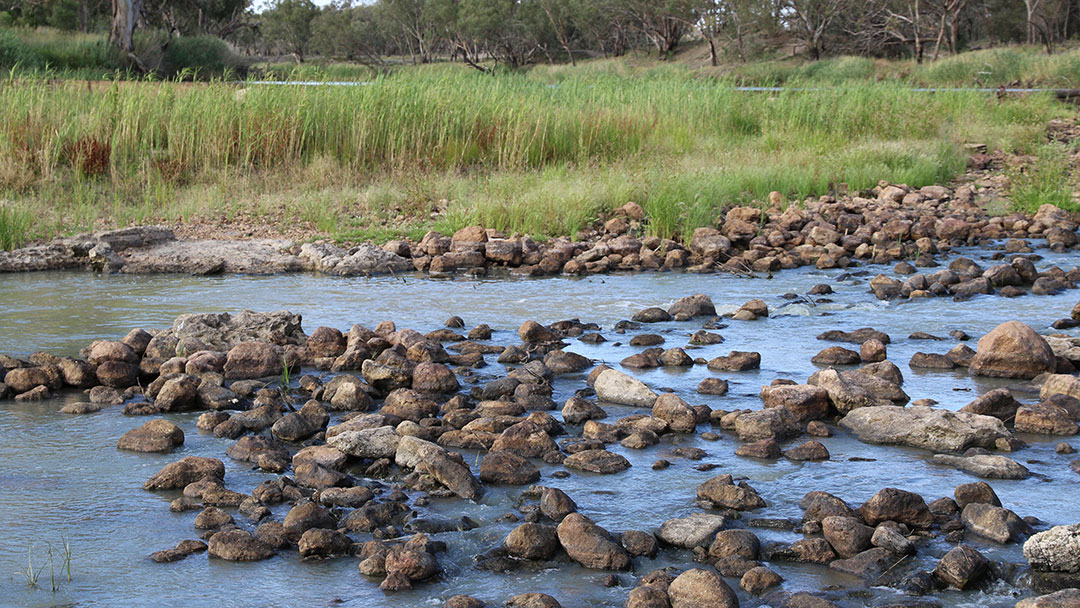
[[1046, 419], [555, 504], [868, 565], [578, 410], [736, 361], [117, 374], [239, 546], [998, 403], [700, 588], [651, 315], [776, 423], [1060, 384], [758, 580], [380, 442], [154, 436], [616, 387], [806, 402], [1066, 598], [434, 378], [176, 475], [1055, 550], [844, 394], [638, 543], [525, 439], [504, 467], [742, 543], [695, 530], [590, 545], [426, 457], [24, 379], [647, 596], [809, 451], [254, 360], [819, 505], [713, 386], [532, 541], [961, 567], [178, 393], [847, 535], [976, 492], [923, 427], [321, 542], [182, 550], [463, 601], [989, 466], [105, 395], [892, 504], [597, 461], [533, 600], [1013, 350], [836, 355], [306, 516], [888, 537], [412, 564], [532, 332], [856, 337], [563, 362], [252, 448], [698, 305], [675, 412], [765, 449], [722, 492], [996, 523]]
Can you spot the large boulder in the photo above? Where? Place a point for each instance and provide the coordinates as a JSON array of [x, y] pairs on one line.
[[700, 588], [379, 442], [590, 545], [693, 306], [532, 541], [223, 331], [426, 457], [254, 360], [675, 412], [1055, 550], [924, 427], [695, 530], [1013, 350], [508, 468], [961, 567], [1066, 598], [155, 436], [996, 523], [614, 386], [844, 394], [176, 475], [239, 546], [723, 493], [777, 423], [805, 401], [901, 506]]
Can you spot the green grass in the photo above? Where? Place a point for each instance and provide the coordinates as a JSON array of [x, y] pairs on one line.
[[15, 224], [541, 152], [1048, 179]]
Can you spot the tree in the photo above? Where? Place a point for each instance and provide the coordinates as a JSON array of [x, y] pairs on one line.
[[663, 22], [352, 33], [287, 24], [125, 14], [813, 19]]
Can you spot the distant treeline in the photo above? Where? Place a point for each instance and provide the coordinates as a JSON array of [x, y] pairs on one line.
[[483, 33]]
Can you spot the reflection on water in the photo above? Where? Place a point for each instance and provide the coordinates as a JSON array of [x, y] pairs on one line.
[[62, 476]]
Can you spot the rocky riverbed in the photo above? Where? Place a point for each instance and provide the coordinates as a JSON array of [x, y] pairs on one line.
[[738, 466]]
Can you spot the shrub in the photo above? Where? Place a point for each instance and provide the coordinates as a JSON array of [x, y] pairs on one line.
[[205, 56], [14, 52]]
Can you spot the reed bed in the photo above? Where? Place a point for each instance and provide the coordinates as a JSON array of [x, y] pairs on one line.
[[513, 151]]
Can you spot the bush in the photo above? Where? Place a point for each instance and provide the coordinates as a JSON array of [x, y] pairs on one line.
[[14, 52], [206, 56]]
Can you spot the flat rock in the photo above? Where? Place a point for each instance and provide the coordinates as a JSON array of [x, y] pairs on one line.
[[924, 427]]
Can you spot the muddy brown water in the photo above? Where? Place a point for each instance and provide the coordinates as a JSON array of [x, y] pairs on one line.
[[62, 477]]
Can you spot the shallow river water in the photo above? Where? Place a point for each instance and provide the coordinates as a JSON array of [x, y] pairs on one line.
[[61, 476]]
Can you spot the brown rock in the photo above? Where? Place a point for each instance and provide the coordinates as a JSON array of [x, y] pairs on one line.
[[154, 436]]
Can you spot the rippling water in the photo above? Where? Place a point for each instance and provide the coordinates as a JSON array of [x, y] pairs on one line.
[[61, 476]]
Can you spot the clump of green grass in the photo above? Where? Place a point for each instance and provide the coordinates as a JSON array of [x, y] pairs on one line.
[[1049, 179], [15, 225], [542, 153]]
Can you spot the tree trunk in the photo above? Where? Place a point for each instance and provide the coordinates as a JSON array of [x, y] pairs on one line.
[[124, 15]]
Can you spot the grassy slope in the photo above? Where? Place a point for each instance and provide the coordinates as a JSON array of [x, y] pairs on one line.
[[541, 152]]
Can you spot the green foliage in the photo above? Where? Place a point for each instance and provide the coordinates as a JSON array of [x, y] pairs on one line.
[[14, 226], [1049, 179], [287, 24], [205, 56], [15, 53]]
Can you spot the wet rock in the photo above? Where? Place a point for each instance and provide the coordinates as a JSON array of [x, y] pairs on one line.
[[998, 403], [504, 467], [182, 550], [736, 361], [1066, 598], [533, 600], [176, 475], [836, 355], [961, 567], [807, 551], [742, 543], [1060, 384], [760, 579], [434, 378], [868, 565], [532, 541], [806, 402], [651, 315], [590, 545], [211, 518], [675, 412], [105, 395], [977, 492], [765, 449], [647, 597], [923, 427], [154, 436], [638, 543], [1055, 550], [722, 492], [380, 442], [117, 374], [597, 461], [578, 410], [1013, 350], [254, 360], [847, 535], [700, 588], [322, 542], [429, 458], [713, 386], [698, 305], [533, 333], [776, 423], [856, 337], [525, 439], [616, 387], [240, 546], [996, 523], [901, 506], [695, 530], [846, 395], [888, 537], [1046, 419], [252, 448], [989, 466], [405, 565], [809, 451], [563, 362]]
